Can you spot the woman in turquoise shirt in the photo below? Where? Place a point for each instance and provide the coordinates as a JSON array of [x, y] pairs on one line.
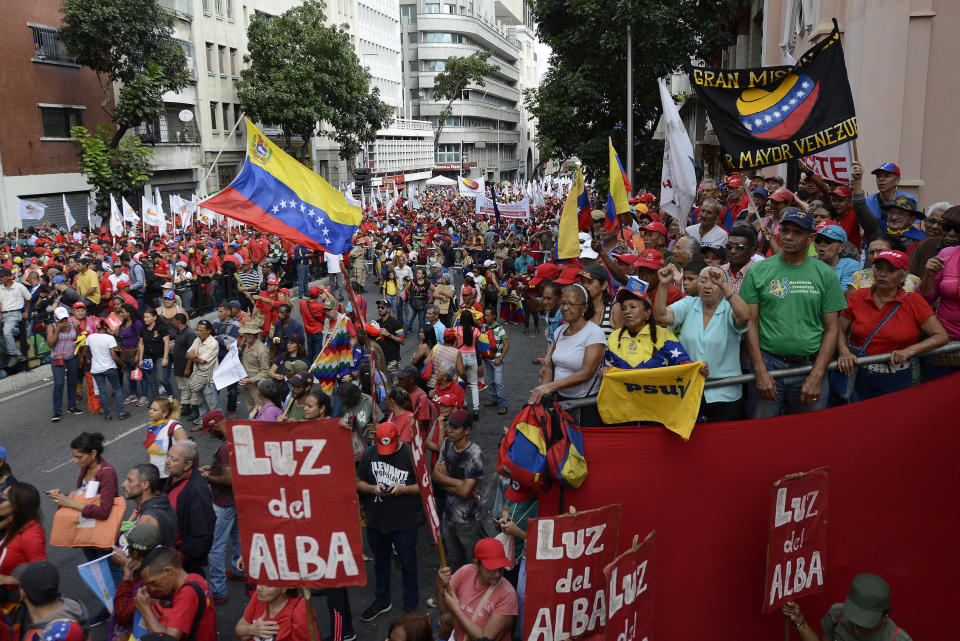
[[713, 323]]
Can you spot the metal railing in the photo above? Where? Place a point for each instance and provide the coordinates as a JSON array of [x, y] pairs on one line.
[[949, 348], [181, 7], [48, 47], [170, 129]]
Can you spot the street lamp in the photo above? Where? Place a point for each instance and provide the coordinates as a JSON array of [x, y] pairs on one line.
[[462, 100]]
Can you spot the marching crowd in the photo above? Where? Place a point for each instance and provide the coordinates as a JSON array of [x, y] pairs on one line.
[[760, 279]]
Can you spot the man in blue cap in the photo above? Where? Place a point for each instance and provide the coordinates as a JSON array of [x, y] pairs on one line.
[[888, 179], [794, 303], [864, 615]]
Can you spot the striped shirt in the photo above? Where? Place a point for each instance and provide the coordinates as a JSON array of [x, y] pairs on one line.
[[500, 335]]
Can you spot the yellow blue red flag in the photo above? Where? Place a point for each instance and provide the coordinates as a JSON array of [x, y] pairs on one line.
[[276, 194], [666, 395], [568, 239], [620, 186]]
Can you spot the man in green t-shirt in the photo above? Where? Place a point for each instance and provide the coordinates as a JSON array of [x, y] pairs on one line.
[[794, 302]]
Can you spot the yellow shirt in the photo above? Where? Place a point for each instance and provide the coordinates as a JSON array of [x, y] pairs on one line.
[[86, 281], [391, 287]]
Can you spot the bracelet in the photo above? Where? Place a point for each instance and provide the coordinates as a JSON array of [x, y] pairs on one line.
[[801, 624], [732, 294]]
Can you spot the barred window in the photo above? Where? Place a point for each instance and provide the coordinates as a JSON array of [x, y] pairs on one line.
[[57, 121], [48, 47]]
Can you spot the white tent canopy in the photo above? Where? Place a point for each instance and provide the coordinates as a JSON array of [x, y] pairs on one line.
[[442, 181]]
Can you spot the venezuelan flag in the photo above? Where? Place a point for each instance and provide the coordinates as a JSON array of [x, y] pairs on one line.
[[276, 194], [568, 240], [620, 186]]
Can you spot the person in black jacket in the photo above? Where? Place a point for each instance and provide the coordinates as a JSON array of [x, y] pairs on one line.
[[190, 497]]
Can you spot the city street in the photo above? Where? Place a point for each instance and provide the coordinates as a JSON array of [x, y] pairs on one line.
[[39, 453]]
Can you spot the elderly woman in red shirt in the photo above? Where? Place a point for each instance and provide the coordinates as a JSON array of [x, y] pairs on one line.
[[885, 319]]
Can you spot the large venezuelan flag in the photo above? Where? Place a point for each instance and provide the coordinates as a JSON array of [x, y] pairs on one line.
[[276, 194], [568, 239], [620, 186]]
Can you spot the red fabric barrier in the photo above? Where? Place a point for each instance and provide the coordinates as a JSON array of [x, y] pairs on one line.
[[894, 509]]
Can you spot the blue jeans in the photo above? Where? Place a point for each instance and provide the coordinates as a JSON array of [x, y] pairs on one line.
[[225, 529], [788, 392], [314, 345], [411, 315], [151, 381], [116, 388], [494, 378], [11, 322], [303, 279], [869, 384], [66, 371], [405, 542], [137, 388], [209, 398]]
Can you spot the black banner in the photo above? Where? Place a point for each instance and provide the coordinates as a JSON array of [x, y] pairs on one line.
[[770, 115]]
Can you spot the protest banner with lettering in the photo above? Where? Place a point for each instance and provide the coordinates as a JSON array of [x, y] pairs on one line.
[[296, 499], [797, 539], [426, 485], [519, 209], [630, 593], [566, 594], [832, 164]]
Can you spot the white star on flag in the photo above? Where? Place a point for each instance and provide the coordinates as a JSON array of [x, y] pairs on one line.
[[776, 114], [767, 119], [283, 204], [302, 208], [275, 209], [793, 101], [805, 85], [758, 122], [675, 352], [800, 94]]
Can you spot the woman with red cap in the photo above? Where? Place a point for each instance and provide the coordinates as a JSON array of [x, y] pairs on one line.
[[481, 591]]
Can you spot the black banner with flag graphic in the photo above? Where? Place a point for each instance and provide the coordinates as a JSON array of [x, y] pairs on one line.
[[769, 115]]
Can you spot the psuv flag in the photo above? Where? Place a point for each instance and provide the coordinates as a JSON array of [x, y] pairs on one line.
[[276, 194], [666, 395], [470, 187], [770, 115]]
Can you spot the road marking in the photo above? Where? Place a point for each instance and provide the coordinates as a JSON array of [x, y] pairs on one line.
[[110, 442], [26, 391]]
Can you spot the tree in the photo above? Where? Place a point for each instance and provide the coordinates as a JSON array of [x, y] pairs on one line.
[[127, 42], [117, 170], [302, 72], [449, 84], [581, 100]]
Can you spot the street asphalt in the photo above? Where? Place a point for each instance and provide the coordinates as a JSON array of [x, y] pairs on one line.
[[39, 453]]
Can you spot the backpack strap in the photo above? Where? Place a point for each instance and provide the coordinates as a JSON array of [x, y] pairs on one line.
[[201, 608]]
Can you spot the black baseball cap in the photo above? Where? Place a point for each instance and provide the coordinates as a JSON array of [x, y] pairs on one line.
[[39, 581]]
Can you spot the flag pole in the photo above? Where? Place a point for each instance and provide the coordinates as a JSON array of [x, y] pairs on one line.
[[629, 107], [225, 139]]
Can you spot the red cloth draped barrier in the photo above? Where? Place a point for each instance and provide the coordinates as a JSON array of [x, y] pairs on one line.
[[894, 509]]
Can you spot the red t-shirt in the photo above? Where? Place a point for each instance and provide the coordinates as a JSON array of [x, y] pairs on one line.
[[453, 388], [26, 547], [183, 609], [852, 227], [900, 332], [291, 619], [421, 404]]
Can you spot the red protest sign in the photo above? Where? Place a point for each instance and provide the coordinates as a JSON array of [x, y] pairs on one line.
[[797, 538], [630, 593], [296, 497], [426, 485], [566, 591]]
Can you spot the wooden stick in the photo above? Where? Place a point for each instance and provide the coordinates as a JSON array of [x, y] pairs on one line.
[[311, 622], [856, 154]]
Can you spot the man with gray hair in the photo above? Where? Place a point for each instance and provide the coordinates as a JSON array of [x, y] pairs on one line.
[[190, 497], [447, 384], [685, 249], [707, 231], [432, 316]]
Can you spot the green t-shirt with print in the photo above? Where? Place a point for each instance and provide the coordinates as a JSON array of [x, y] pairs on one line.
[[792, 300]]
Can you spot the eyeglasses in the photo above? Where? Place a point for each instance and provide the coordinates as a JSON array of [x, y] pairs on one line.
[[739, 247], [823, 240]]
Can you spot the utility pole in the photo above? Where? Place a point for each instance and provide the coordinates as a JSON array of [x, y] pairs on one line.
[[629, 106]]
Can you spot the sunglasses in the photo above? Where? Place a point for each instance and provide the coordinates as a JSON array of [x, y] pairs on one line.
[[739, 247]]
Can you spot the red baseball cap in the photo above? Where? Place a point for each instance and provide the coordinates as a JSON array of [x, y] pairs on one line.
[[79, 305], [467, 291], [448, 399], [782, 195], [387, 439], [630, 259], [647, 198], [656, 226], [568, 275], [491, 555], [734, 181], [544, 271], [651, 259], [895, 257], [842, 190]]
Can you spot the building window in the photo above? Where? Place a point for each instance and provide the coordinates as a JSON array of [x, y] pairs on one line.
[[229, 9], [47, 46], [449, 8], [409, 11], [213, 114], [168, 128], [434, 65], [432, 8], [218, 7], [221, 55], [210, 57], [449, 153], [206, 7], [233, 62], [227, 123], [236, 116], [57, 121], [414, 65], [226, 174], [413, 35]]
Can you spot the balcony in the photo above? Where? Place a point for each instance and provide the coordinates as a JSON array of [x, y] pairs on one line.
[[182, 8], [488, 35], [47, 46], [169, 129]]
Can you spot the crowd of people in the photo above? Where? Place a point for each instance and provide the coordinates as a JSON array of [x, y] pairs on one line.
[[760, 278]]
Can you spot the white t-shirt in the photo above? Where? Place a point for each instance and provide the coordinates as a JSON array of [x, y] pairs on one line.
[[568, 357], [716, 237], [401, 272], [100, 346], [333, 262]]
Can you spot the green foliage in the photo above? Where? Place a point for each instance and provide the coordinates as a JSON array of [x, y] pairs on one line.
[[120, 170], [301, 72], [582, 98], [126, 42], [448, 85]]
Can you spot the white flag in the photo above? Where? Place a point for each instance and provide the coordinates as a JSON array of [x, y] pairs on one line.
[[150, 215], [230, 370], [129, 213], [162, 217], [678, 179], [67, 215], [189, 209], [93, 220], [471, 187], [413, 197], [30, 210], [116, 222], [348, 195], [363, 198]]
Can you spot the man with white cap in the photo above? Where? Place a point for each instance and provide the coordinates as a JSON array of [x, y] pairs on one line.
[[865, 615]]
